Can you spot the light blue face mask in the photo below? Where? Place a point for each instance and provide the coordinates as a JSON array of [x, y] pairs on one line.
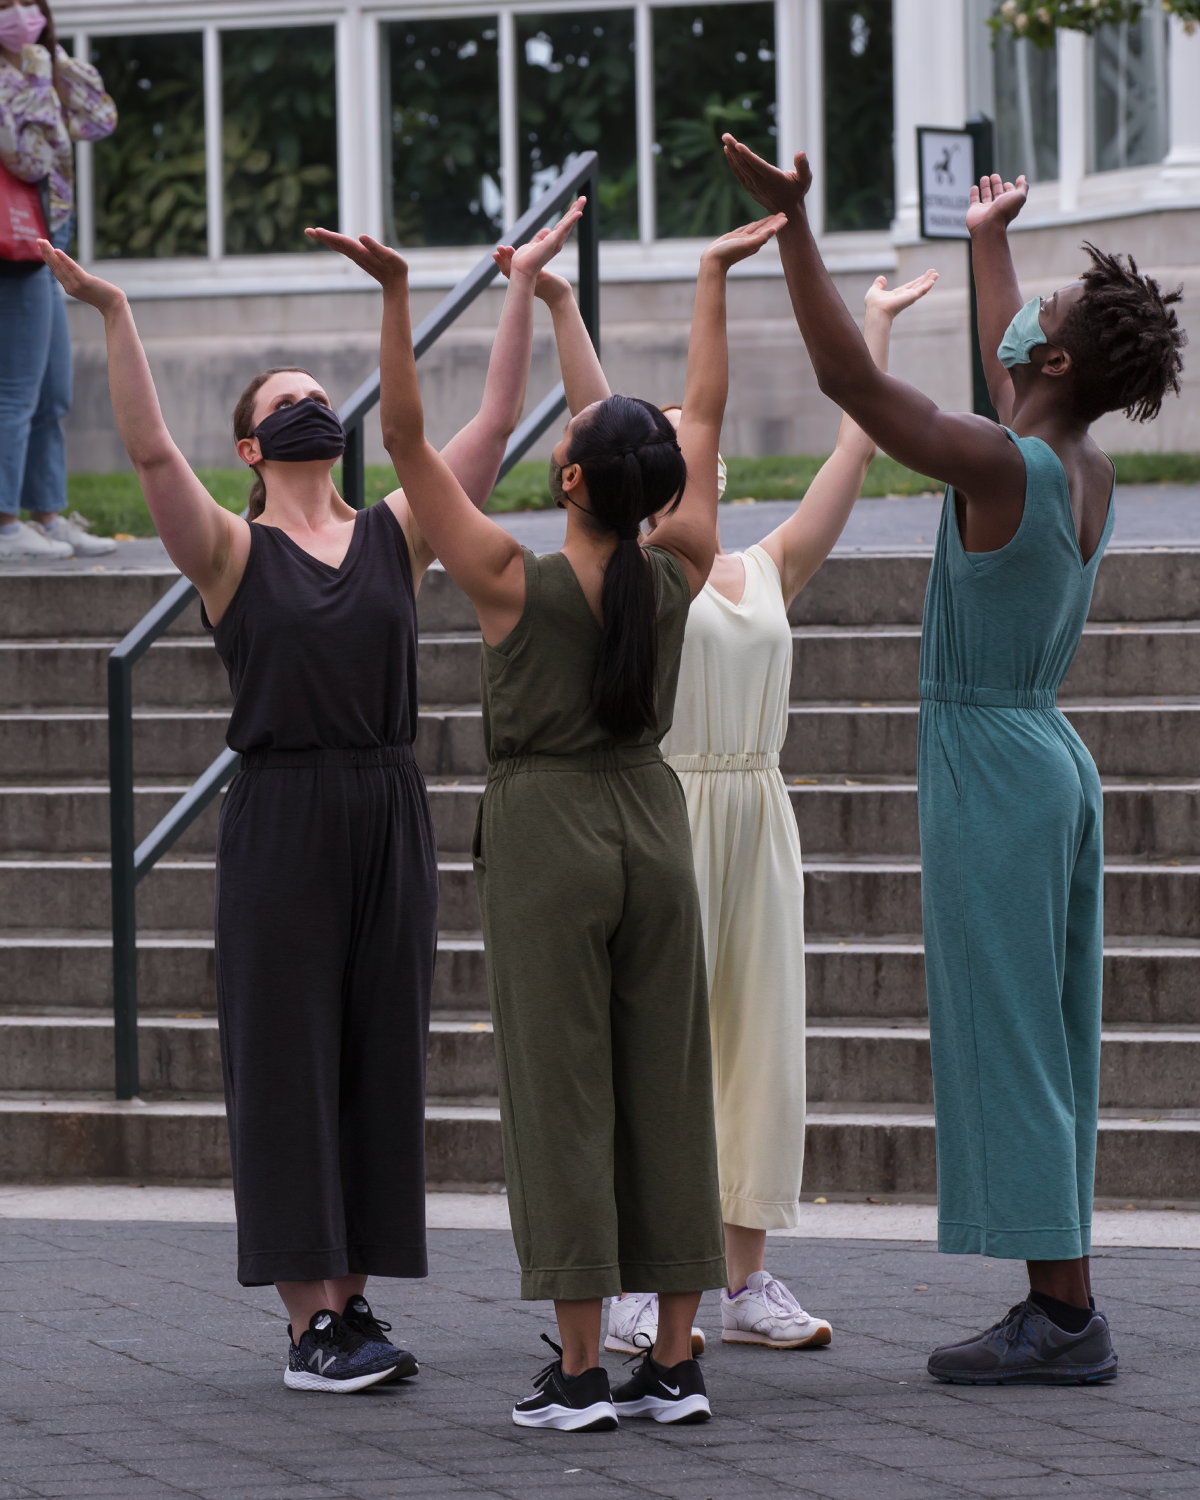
[[1022, 335]]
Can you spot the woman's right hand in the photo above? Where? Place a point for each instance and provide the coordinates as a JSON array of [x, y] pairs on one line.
[[548, 285], [77, 283], [387, 266], [745, 241]]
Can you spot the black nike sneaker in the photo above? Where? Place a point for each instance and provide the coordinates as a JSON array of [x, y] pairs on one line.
[[359, 1318], [573, 1403], [331, 1357], [676, 1394], [1026, 1348]]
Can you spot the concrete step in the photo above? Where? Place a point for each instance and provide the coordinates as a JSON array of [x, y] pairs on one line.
[[74, 742], [50, 1137], [177, 894], [879, 816], [181, 1056], [1150, 1068], [852, 588], [843, 895], [853, 1148], [48, 969]]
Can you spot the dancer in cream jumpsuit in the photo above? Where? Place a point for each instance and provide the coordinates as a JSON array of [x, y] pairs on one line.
[[724, 744]]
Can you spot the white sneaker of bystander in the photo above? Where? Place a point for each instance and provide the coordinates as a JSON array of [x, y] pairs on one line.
[[765, 1312], [637, 1312]]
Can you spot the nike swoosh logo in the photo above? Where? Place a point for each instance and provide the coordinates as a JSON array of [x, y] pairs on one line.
[[671, 1390]]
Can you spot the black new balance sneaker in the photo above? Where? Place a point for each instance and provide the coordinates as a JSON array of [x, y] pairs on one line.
[[1026, 1348], [359, 1318], [331, 1357], [573, 1403], [676, 1394]]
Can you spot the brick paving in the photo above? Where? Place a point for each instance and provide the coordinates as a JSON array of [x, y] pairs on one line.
[[135, 1367]]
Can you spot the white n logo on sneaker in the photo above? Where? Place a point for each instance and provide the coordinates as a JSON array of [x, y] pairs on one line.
[[321, 1363]]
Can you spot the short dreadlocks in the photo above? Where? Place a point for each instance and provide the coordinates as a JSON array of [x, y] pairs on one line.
[[1124, 339]]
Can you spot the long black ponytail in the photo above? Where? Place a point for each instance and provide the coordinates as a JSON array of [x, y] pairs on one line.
[[632, 467]]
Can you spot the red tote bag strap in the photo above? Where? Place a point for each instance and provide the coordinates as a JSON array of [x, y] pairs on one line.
[[22, 218]]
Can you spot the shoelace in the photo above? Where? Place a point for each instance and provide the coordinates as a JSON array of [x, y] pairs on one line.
[[776, 1295], [339, 1336], [1010, 1324], [373, 1325], [75, 519], [643, 1349], [540, 1379]]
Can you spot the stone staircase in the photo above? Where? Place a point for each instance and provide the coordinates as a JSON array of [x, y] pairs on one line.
[[850, 756]]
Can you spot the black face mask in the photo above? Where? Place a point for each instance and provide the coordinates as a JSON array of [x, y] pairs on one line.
[[301, 432]]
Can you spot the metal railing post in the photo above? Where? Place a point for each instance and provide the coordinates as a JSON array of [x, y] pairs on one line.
[[124, 906], [354, 467], [589, 258]]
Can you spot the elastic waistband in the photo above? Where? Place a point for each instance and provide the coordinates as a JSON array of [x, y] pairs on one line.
[[726, 760], [326, 759], [984, 697], [625, 758]]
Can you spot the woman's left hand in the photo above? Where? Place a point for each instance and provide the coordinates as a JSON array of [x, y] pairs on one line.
[[387, 266], [888, 303], [532, 258], [744, 241], [77, 282]]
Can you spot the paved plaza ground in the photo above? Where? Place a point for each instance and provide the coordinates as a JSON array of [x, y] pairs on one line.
[[135, 1367]]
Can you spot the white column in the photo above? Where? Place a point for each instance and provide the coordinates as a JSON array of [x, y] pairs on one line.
[[1184, 86], [643, 56], [1072, 117], [85, 201], [510, 170], [371, 127], [929, 82], [351, 145], [214, 155], [800, 95]]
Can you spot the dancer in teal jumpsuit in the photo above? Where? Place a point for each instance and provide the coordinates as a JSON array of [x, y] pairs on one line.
[[1010, 802]]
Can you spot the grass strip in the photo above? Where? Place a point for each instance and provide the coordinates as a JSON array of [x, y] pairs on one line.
[[114, 504]]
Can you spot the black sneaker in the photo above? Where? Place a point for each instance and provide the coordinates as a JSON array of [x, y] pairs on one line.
[[331, 1357], [574, 1403], [359, 1318], [1026, 1348], [668, 1395]]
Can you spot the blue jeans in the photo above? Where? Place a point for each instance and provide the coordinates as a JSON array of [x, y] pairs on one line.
[[35, 392]]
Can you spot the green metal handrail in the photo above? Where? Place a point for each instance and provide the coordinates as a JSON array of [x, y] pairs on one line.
[[131, 861]]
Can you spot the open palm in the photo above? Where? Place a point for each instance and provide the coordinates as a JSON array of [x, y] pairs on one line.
[[996, 201], [546, 243], [744, 241], [77, 283], [894, 300], [380, 261], [781, 192]]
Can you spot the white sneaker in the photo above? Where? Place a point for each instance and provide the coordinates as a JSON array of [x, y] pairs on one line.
[[637, 1313], [765, 1312], [29, 543], [74, 531]]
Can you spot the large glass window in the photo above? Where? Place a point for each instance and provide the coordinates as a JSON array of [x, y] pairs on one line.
[[1026, 93], [280, 137], [859, 165], [714, 70], [441, 106], [1129, 93], [149, 174], [575, 86]]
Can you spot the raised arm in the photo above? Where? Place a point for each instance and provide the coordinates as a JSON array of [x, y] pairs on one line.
[[208, 544], [583, 379], [690, 531], [804, 541], [994, 205], [959, 448]]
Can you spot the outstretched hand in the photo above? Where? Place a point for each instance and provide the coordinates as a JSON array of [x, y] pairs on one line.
[[533, 257], [386, 265], [890, 302], [744, 241], [77, 283], [781, 192], [996, 202]]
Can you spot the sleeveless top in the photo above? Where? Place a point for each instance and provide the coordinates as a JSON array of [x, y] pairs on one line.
[[323, 657], [1001, 628], [734, 680], [537, 683]]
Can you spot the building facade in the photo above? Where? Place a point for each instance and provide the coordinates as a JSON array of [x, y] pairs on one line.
[[433, 126]]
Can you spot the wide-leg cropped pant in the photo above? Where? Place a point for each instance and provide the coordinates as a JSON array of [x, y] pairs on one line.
[[596, 977], [326, 932], [1012, 881]]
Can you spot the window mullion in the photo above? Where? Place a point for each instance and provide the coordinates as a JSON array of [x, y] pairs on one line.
[[214, 150], [643, 39], [510, 165], [85, 197], [1072, 117]]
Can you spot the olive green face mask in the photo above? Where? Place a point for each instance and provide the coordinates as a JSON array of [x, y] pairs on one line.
[[1022, 336], [557, 493]]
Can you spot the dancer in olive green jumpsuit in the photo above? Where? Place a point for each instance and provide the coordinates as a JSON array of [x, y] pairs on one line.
[[1009, 798], [583, 854]]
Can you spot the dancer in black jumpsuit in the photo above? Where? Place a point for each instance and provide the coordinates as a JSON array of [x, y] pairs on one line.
[[326, 910]]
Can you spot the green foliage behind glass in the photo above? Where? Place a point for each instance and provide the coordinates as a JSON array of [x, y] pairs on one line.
[[149, 174], [575, 87], [859, 166], [280, 137], [442, 110], [714, 70]]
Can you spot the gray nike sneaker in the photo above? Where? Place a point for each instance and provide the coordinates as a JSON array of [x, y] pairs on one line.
[[1026, 1348]]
